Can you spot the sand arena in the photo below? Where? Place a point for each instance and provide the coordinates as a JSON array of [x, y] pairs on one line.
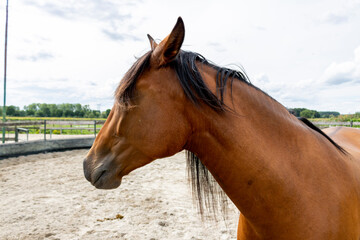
[[45, 196]]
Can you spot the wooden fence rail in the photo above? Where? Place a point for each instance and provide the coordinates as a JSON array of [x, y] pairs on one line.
[[326, 123], [50, 125], [20, 123], [53, 122]]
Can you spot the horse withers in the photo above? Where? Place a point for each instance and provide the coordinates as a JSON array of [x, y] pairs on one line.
[[288, 179]]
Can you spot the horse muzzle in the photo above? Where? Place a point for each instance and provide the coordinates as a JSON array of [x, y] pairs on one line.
[[101, 176]]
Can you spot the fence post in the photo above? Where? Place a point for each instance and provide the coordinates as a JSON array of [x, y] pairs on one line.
[[16, 134], [95, 128], [44, 130], [351, 123]]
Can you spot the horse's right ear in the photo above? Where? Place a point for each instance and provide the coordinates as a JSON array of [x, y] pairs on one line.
[[168, 49], [153, 44]]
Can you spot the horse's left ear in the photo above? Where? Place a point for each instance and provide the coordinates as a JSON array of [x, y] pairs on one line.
[[168, 49]]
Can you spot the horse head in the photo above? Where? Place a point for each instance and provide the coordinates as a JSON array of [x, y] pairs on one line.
[[147, 120]]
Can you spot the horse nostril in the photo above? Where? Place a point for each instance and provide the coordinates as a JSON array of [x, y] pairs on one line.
[[87, 172]]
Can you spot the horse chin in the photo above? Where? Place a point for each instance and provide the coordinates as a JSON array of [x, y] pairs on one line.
[[107, 182]]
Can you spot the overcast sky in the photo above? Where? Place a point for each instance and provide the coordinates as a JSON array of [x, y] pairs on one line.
[[302, 53]]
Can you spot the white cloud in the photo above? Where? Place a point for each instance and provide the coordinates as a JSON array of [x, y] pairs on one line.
[[347, 72], [344, 12], [35, 57], [111, 15], [334, 18], [261, 78]]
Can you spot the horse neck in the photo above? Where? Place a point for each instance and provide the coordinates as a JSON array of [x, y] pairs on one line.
[[255, 152]]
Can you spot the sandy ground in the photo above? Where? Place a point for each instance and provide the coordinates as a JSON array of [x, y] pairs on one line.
[[45, 196]]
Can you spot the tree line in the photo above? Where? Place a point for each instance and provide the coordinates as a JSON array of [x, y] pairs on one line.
[[84, 111], [55, 110], [307, 113]]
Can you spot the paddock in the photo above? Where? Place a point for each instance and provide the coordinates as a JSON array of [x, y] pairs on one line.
[[45, 196]]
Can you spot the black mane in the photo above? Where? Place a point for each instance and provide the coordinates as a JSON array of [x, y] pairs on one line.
[[126, 89], [316, 129], [194, 86], [189, 77]]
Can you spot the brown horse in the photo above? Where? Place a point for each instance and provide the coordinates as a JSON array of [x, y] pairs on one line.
[[288, 179]]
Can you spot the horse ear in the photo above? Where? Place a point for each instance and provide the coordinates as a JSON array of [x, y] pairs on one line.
[[168, 49], [153, 44]]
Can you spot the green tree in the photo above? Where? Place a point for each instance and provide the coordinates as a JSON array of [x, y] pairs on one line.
[[44, 108], [30, 112], [86, 109], [106, 113], [96, 113], [296, 111], [31, 109], [68, 113], [309, 114], [53, 108], [58, 113], [22, 113], [328, 114], [12, 111], [39, 113], [56, 110]]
